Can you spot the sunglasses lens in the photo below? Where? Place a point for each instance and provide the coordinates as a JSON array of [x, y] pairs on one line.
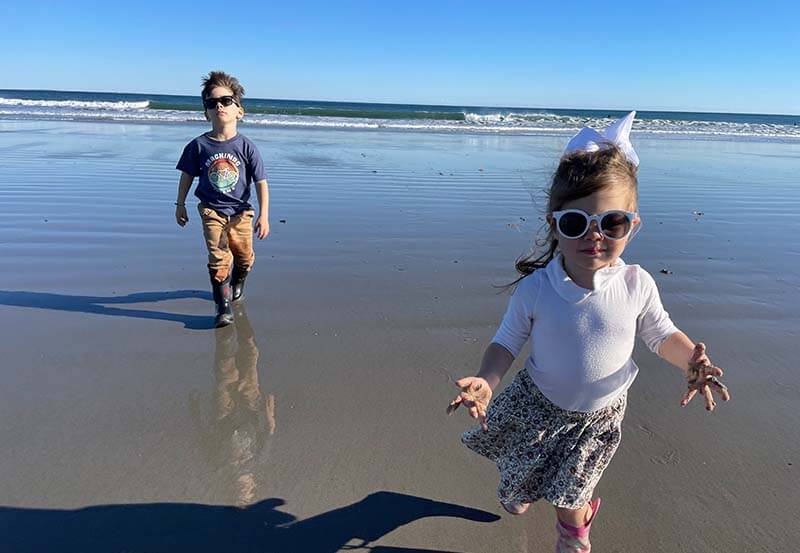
[[615, 225], [211, 103], [572, 225]]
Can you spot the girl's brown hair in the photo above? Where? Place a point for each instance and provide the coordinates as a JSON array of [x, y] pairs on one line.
[[220, 78], [580, 174]]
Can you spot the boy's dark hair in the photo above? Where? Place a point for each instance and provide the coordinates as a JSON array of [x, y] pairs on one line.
[[581, 174], [220, 78]]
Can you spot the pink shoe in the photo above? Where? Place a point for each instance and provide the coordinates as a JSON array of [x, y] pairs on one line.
[[515, 507], [576, 540]]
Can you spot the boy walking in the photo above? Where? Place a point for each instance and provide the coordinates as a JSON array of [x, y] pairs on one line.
[[226, 163]]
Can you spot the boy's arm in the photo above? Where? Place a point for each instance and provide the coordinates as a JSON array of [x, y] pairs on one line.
[[184, 184], [262, 223]]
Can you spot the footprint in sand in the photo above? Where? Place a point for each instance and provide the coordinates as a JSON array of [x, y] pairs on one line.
[[643, 428], [672, 457]]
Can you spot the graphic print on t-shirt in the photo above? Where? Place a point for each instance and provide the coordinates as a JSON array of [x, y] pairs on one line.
[[223, 171]]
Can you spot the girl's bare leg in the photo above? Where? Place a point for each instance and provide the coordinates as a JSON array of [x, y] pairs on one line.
[[573, 528], [574, 517]]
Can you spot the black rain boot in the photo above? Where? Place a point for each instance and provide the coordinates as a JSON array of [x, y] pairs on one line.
[[222, 298], [237, 282]]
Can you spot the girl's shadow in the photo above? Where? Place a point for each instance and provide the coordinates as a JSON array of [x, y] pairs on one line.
[[99, 305], [259, 528]]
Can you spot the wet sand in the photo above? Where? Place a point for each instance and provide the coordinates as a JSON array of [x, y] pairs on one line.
[[127, 423]]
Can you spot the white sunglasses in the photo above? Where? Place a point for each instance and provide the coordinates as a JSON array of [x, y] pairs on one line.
[[615, 224]]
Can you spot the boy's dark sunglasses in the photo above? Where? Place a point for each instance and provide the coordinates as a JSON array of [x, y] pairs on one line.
[[211, 103], [615, 224]]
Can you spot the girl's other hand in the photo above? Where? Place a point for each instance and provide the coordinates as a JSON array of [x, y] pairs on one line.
[[475, 396], [702, 377]]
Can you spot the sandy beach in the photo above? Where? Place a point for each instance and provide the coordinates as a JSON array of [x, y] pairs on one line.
[[318, 422]]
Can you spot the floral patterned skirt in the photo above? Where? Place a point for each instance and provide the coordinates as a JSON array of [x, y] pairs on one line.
[[543, 451]]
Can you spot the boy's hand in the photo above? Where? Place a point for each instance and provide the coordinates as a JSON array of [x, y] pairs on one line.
[[475, 395], [262, 226], [702, 377], [181, 217]]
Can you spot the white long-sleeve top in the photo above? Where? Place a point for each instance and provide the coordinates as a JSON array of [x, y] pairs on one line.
[[582, 340]]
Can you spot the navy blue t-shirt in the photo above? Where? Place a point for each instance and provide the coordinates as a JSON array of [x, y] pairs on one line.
[[226, 169]]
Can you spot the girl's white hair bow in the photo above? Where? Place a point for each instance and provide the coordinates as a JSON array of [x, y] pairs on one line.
[[618, 133]]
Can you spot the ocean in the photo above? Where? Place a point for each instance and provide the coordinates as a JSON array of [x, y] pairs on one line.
[[160, 108]]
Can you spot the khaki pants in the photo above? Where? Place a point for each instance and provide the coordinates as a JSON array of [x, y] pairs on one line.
[[229, 239]]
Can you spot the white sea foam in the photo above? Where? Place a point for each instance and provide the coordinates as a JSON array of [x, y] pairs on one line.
[[74, 104], [508, 123], [516, 119]]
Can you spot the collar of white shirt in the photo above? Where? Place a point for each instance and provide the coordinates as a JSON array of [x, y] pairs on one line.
[[570, 291]]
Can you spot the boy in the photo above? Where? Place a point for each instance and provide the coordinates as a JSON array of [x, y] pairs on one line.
[[226, 163]]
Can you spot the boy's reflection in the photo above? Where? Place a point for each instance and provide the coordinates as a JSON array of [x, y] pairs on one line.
[[235, 439]]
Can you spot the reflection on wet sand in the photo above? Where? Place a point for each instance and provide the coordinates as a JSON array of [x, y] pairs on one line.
[[236, 436]]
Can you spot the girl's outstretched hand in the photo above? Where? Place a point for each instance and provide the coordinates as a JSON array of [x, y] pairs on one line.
[[475, 396], [702, 377]]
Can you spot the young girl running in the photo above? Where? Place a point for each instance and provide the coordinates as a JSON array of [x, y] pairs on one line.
[[554, 429]]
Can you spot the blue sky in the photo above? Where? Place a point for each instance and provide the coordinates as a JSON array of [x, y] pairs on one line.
[[732, 56]]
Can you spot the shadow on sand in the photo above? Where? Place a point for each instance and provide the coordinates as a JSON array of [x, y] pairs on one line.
[[99, 305], [259, 528]]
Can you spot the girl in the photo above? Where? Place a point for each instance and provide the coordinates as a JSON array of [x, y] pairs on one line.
[[555, 428]]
